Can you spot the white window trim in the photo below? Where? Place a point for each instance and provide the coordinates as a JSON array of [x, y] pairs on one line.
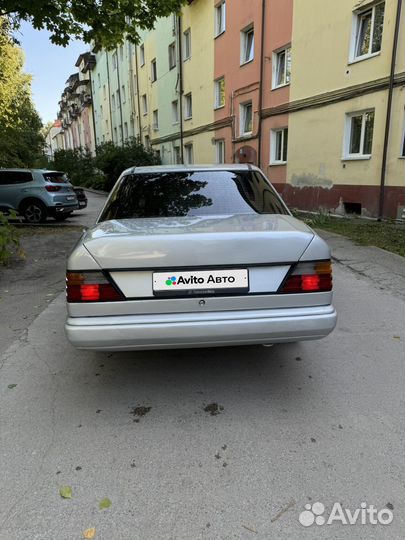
[[242, 111], [187, 35], [153, 71], [217, 105], [144, 100], [142, 55], [219, 159], [346, 156], [220, 6], [273, 145], [175, 121], [274, 84], [353, 59], [155, 125], [172, 46], [186, 115], [187, 147], [243, 36]]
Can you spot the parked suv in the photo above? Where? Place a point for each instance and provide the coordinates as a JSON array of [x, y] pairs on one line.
[[37, 194]]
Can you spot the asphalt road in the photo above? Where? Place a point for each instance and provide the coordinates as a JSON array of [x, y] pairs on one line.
[[206, 444]]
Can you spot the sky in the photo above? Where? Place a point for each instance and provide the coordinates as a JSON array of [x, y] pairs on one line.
[[50, 66]]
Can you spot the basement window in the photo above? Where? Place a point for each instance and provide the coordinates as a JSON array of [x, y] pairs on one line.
[[352, 208]]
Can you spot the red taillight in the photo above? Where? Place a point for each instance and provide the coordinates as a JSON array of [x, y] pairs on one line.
[[52, 188], [90, 287], [309, 277]]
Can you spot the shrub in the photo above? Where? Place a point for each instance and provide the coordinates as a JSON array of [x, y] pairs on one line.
[[8, 238], [113, 159], [79, 165]]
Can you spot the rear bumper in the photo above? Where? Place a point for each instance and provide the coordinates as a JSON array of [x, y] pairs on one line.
[[62, 209], [213, 329]]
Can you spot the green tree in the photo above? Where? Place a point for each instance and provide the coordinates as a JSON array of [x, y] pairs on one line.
[[104, 22], [113, 159]]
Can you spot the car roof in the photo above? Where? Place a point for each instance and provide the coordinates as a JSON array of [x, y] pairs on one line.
[[22, 169], [191, 168]]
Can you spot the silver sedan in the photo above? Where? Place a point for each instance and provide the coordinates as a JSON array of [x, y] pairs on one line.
[[197, 256]]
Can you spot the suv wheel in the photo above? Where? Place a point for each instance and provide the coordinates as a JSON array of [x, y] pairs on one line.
[[34, 212]]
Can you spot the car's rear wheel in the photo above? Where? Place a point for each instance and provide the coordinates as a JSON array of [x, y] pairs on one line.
[[62, 217], [34, 211]]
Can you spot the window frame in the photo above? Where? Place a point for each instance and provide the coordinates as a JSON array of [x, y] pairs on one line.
[[189, 150], [155, 120], [172, 55], [275, 67], [188, 111], [217, 103], [153, 70], [356, 27], [347, 155], [273, 146], [142, 54], [402, 147], [219, 153], [144, 99], [175, 108], [220, 19], [242, 119], [250, 29], [187, 44]]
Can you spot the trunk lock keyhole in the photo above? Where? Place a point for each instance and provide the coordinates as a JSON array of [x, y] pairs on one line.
[[202, 303]]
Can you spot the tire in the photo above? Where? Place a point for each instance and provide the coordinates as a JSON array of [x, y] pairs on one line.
[[61, 217], [34, 211]]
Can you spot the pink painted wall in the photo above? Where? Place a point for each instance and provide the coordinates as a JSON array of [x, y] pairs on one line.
[[242, 82]]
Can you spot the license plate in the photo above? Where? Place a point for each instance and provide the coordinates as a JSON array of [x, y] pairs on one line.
[[70, 197], [188, 282]]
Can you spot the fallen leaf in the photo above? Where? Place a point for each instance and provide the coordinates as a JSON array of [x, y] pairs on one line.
[[89, 533], [11, 386], [65, 492], [104, 503], [396, 337]]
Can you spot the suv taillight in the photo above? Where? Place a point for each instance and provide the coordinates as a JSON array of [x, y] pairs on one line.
[[90, 287], [313, 276], [52, 188]]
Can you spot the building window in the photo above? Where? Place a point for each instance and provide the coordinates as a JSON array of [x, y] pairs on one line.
[[220, 93], [247, 45], [175, 111], [246, 118], [172, 55], [153, 70], [278, 146], [147, 141], [114, 60], [104, 92], [125, 130], [142, 54], [118, 99], [281, 67], [101, 111], [188, 106], [113, 102], [176, 155], [144, 104], [99, 80], [403, 142], [123, 94], [359, 135], [187, 44], [220, 151], [189, 153], [115, 135], [368, 29], [155, 119], [121, 53], [220, 18]]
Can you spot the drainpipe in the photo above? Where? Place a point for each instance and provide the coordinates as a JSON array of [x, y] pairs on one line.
[[181, 88], [388, 116], [109, 97], [137, 94], [259, 143], [119, 95]]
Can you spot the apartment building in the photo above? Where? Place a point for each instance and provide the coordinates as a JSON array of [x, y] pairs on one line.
[[339, 91], [300, 89]]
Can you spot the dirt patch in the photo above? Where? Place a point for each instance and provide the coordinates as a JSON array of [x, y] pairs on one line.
[[139, 411], [213, 409]]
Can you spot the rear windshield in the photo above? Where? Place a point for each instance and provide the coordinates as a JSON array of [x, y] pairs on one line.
[[56, 177], [196, 193]]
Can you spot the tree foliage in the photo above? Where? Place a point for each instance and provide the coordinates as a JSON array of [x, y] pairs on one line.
[[20, 139], [104, 22]]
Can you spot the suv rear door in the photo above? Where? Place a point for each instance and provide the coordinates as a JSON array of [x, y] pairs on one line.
[[14, 185]]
